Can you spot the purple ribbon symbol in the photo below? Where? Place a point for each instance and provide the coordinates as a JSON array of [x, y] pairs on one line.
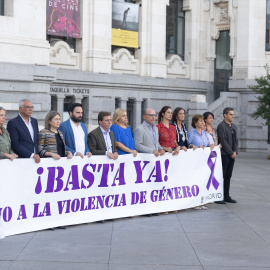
[[212, 165]]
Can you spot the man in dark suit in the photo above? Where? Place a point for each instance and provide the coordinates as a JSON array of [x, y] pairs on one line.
[[101, 140], [23, 131], [75, 132], [227, 137]]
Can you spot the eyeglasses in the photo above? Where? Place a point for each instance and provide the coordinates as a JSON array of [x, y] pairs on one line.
[[29, 107], [152, 115]]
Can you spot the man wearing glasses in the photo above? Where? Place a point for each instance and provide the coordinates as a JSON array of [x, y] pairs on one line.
[[23, 131], [227, 137], [146, 135]]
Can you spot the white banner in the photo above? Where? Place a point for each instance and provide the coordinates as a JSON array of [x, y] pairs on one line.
[[65, 192]]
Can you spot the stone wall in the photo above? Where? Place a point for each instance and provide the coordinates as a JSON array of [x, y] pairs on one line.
[[32, 68]]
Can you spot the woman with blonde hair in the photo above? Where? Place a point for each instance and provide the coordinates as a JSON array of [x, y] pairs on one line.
[[51, 142], [5, 143], [123, 134]]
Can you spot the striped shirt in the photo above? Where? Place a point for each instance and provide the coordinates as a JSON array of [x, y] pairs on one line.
[[47, 142]]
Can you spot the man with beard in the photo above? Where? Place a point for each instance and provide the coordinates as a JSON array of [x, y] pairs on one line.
[[75, 132]]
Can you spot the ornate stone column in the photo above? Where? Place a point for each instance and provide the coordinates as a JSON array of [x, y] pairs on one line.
[[137, 114], [78, 99], [98, 51], [123, 104], [60, 104], [152, 38]]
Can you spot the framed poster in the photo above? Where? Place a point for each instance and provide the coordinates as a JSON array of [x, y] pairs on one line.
[[125, 24], [63, 18]]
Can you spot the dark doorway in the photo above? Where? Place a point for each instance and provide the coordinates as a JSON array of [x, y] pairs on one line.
[[130, 112], [223, 64], [2, 8]]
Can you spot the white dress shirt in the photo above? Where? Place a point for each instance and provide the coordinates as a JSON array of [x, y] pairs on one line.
[[107, 139], [31, 130], [79, 137]]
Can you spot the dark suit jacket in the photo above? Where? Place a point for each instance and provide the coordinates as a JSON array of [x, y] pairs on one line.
[[21, 141], [225, 138], [97, 143], [67, 131]]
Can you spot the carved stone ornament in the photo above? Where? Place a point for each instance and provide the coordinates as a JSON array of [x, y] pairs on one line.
[[224, 14], [221, 18], [176, 66], [123, 61], [61, 55]]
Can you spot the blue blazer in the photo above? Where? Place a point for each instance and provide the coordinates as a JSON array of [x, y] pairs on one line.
[[67, 131], [21, 141]]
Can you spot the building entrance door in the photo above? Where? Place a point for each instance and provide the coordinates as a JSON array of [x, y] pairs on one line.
[[222, 77], [223, 64]]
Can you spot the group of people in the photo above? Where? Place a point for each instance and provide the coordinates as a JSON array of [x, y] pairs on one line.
[[114, 137]]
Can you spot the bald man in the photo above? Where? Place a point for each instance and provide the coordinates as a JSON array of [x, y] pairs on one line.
[[146, 135]]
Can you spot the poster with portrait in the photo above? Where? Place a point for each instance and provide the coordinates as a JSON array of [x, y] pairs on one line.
[[125, 24], [63, 18]]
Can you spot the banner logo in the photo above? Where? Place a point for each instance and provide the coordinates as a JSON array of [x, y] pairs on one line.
[[212, 165]]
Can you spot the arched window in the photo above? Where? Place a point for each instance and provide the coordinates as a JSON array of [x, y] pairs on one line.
[[175, 28], [267, 42]]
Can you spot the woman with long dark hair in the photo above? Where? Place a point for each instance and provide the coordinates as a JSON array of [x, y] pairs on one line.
[[178, 118], [167, 132], [210, 130]]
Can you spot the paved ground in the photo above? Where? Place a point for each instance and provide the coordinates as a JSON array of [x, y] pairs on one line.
[[231, 236]]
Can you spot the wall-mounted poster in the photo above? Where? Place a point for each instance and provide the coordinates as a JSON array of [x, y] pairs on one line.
[[63, 18], [125, 24]]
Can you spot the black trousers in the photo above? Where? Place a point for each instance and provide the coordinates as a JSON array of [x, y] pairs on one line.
[[227, 166]]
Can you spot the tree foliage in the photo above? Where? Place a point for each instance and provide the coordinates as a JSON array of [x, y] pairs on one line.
[[263, 89]]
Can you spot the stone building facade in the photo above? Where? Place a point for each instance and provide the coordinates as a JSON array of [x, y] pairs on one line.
[[224, 49]]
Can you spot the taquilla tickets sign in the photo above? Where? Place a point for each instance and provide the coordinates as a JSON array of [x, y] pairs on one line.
[[72, 191]]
